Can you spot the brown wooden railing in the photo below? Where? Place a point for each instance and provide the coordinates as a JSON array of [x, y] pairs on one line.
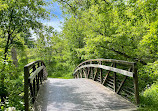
[[118, 75], [34, 74]]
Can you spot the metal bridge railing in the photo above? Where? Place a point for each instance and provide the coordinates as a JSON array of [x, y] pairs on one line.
[[118, 75], [34, 75]]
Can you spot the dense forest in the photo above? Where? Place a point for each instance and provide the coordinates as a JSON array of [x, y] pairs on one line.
[[111, 29]]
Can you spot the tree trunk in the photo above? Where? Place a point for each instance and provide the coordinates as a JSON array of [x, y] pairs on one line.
[[14, 56]]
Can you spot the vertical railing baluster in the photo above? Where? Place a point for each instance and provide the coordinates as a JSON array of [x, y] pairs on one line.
[[81, 73], [101, 73], [95, 73], [87, 72], [115, 78], [37, 80], [85, 75], [40, 76], [34, 89], [78, 74], [32, 93], [38, 64], [92, 69], [91, 74], [34, 83]]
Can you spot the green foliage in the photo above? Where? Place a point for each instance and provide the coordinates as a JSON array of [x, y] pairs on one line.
[[110, 28], [17, 18], [148, 74], [149, 98], [13, 87], [115, 29], [51, 48]]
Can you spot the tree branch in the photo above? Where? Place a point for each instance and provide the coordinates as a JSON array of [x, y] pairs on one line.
[[69, 6], [127, 56]]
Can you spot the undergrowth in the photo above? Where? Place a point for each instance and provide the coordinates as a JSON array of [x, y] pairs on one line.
[[149, 98]]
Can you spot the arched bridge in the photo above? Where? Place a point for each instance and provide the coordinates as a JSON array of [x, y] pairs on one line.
[[98, 85]]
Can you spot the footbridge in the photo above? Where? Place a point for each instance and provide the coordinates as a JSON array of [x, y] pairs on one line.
[[98, 85]]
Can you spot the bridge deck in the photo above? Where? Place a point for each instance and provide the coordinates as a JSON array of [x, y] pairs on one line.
[[79, 95]]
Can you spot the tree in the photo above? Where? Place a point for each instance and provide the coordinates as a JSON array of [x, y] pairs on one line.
[[74, 38], [113, 28], [17, 18]]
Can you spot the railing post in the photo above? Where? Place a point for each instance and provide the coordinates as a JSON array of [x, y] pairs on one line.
[[81, 73], [34, 82], [38, 64], [84, 71], [26, 99], [115, 78], [87, 72], [77, 75], [101, 73], [41, 76], [91, 73], [135, 77], [37, 79]]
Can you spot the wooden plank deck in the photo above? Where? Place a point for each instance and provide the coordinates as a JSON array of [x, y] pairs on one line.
[[79, 95]]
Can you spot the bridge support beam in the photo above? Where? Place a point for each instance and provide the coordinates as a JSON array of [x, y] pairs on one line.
[[135, 78]]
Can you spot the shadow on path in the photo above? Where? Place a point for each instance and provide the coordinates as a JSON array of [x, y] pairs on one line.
[[79, 95]]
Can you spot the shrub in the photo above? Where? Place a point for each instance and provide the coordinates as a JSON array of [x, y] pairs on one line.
[[149, 98], [148, 74]]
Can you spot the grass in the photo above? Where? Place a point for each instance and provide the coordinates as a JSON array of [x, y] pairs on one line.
[[61, 75]]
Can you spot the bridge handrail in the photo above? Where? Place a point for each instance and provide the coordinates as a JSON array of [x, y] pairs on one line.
[[34, 74], [87, 69], [30, 65], [124, 72], [107, 60]]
